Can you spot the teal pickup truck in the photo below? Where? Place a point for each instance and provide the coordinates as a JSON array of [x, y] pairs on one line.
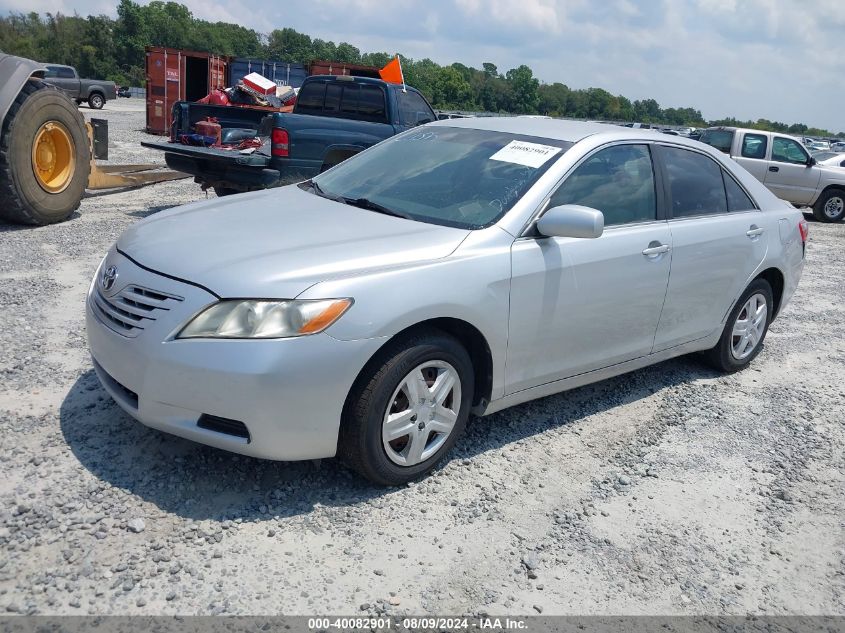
[[335, 117]]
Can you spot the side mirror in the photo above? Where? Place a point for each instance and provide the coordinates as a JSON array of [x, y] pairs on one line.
[[811, 161], [571, 220]]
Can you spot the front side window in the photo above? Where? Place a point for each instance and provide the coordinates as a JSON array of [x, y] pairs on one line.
[[413, 109], [787, 150], [618, 181], [754, 146], [457, 177], [695, 183]]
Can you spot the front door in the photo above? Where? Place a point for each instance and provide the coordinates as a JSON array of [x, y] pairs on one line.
[[582, 304]]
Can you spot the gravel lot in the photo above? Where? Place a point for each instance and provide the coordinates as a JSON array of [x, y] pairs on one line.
[[671, 490]]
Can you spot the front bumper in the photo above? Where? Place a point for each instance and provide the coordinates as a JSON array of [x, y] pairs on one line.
[[289, 393]]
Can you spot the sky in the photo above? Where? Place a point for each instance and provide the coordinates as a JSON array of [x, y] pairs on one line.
[[783, 60]]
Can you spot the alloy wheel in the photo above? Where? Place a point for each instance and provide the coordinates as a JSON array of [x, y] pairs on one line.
[[749, 327], [422, 413], [833, 207]]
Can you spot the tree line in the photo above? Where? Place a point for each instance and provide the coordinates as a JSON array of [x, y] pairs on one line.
[[113, 48]]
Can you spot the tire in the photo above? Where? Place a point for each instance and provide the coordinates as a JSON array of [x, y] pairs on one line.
[[22, 198], [96, 101], [225, 191], [361, 444], [724, 356], [78, 102], [830, 207]]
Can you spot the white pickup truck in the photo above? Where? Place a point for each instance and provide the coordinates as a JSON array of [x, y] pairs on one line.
[[785, 166]]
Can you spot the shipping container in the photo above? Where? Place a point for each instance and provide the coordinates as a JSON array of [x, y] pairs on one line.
[[178, 75], [341, 68], [282, 73]]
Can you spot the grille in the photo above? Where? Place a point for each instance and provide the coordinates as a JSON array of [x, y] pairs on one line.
[[131, 309], [223, 425]]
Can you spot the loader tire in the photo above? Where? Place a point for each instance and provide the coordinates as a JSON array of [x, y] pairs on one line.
[[44, 157]]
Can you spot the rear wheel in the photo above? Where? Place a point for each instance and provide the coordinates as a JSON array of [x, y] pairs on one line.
[[745, 329], [44, 158], [96, 101], [830, 207], [407, 409]]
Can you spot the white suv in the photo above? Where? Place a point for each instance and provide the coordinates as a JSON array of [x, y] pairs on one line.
[[785, 166]]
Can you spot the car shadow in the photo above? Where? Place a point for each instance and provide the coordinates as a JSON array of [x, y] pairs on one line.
[[200, 482]]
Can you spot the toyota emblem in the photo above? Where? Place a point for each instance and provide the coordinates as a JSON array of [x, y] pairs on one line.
[[108, 278]]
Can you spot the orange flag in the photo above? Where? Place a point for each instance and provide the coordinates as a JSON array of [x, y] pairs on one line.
[[392, 72]]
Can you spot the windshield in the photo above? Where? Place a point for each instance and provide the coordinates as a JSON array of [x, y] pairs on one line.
[[450, 176]]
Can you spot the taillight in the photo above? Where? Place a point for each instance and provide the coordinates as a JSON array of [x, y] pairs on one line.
[[804, 229], [280, 142]]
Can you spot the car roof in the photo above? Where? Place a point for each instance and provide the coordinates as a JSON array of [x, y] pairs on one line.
[[562, 130]]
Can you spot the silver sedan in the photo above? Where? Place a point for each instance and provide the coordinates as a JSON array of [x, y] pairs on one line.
[[461, 267]]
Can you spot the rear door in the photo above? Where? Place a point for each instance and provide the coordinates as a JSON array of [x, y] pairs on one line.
[[718, 240], [754, 153], [789, 176]]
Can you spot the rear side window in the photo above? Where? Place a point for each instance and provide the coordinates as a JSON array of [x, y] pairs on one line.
[[720, 139], [311, 97], [695, 183], [618, 181], [738, 200], [754, 146], [65, 73]]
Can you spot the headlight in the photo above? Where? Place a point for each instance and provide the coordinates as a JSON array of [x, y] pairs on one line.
[[254, 318]]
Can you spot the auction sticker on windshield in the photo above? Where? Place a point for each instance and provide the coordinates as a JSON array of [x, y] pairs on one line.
[[524, 153]]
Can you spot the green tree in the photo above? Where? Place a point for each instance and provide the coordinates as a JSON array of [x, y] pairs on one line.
[[524, 87]]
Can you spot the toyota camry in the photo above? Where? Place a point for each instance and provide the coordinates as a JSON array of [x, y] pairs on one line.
[[458, 268]]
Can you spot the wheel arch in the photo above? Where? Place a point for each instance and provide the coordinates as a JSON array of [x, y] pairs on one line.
[[468, 335], [775, 279], [837, 186]]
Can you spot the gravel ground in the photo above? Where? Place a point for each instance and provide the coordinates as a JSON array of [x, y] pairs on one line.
[[671, 490]]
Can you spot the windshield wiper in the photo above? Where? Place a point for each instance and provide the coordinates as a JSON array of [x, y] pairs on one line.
[[319, 191], [364, 203]]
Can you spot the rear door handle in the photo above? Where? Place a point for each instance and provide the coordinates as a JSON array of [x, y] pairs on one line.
[[657, 249], [774, 168], [754, 231]]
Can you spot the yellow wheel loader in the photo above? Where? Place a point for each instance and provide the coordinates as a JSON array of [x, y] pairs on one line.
[[47, 150]]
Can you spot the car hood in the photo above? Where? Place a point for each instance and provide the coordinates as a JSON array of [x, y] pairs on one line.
[[276, 243]]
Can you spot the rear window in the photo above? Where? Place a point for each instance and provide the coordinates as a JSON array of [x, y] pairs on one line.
[[720, 139], [343, 99]]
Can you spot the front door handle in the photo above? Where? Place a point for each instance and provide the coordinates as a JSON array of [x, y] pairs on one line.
[[656, 248], [754, 231], [774, 168]]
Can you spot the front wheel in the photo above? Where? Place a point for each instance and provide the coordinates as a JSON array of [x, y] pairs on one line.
[[745, 329], [407, 409], [830, 207]]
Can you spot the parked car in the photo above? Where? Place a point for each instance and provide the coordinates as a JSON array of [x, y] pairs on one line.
[[124, 92], [837, 147], [832, 159], [468, 265], [95, 91], [334, 118], [785, 166]]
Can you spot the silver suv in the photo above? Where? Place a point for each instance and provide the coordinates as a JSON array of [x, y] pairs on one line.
[[785, 166]]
